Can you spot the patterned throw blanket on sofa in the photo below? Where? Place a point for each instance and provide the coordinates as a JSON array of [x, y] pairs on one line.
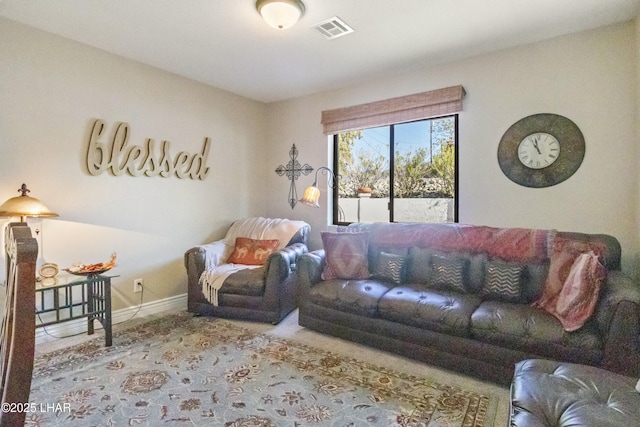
[[509, 244], [572, 287]]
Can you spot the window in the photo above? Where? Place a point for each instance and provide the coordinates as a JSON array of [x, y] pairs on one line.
[[401, 153], [400, 172]]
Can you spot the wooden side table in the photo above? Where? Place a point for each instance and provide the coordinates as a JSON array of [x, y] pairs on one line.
[[76, 297]]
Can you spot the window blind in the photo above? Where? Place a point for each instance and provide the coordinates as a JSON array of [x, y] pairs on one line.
[[402, 109]]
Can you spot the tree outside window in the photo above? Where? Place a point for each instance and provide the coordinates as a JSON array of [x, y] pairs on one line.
[[402, 172]]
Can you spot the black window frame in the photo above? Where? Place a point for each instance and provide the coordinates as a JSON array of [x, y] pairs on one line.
[[456, 197]]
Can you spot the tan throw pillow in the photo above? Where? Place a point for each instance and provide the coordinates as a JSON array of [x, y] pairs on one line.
[[251, 251], [346, 255]]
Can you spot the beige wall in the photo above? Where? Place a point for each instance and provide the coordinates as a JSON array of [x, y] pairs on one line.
[[50, 91], [588, 77]]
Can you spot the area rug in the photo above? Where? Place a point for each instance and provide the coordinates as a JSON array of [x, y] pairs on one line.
[[181, 370]]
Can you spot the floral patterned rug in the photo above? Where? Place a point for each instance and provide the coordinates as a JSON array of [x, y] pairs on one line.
[[181, 370]]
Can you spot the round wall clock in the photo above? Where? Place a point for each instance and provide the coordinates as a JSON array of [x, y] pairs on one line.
[[541, 150]]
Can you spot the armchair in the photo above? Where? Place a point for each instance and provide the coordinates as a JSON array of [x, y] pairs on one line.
[[263, 293]]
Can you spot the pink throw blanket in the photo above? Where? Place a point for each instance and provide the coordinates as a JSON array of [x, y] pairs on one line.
[[573, 284], [509, 244]]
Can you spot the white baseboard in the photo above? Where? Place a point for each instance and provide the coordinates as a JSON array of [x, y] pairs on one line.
[[79, 326]]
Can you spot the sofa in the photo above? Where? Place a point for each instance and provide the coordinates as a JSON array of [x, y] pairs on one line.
[[246, 289], [546, 393], [473, 299]]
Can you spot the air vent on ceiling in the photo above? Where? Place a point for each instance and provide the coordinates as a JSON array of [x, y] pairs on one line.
[[333, 28]]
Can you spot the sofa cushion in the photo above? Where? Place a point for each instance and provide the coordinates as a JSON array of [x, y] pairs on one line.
[[503, 281], [436, 310], [534, 280], [550, 393], [514, 325], [390, 267], [449, 272], [355, 296], [476, 272], [346, 255], [419, 265], [534, 331], [248, 281]]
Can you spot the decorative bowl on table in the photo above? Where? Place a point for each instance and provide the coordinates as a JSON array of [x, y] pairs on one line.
[[47, 274], [48, 270], [81, 272], [92, 269]]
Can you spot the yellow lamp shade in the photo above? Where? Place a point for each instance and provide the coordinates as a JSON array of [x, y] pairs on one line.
[[311, 196], [25, 206]]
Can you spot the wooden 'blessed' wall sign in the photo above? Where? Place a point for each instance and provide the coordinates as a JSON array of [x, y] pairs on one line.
[[118, 157]]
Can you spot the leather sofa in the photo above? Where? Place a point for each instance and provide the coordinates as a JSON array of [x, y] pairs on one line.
[[469, 331], [264, 294], [545, 393]]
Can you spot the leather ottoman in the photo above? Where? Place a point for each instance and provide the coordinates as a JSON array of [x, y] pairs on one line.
[[550, 393]]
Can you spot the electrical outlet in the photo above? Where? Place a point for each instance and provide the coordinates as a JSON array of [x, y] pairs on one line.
[[137, 285]]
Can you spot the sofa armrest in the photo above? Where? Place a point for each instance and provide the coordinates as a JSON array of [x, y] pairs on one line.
[[622, 346], [310, 267], [618, 316], [280, 291], [282, 263], [618, 288], [196, 260]]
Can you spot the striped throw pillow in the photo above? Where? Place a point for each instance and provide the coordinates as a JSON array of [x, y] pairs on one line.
[[390, 267], [449, 273], [503, 281]]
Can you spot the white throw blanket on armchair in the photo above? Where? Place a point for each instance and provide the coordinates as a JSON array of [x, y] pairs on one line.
[[217, 270]]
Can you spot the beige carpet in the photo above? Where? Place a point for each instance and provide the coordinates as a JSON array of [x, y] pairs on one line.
[[289, 329]]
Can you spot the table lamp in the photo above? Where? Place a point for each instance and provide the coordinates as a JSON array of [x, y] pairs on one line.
[[25, 206], [312, 193]]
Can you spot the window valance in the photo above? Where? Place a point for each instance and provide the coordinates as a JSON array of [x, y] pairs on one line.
[[402, 109]]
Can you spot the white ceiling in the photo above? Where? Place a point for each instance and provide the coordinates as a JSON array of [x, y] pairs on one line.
[[226, 44]]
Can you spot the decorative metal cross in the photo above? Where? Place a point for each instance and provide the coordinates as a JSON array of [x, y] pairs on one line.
[[293, 169]]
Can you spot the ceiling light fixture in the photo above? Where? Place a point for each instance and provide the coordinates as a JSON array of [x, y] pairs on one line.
[[280, 14]]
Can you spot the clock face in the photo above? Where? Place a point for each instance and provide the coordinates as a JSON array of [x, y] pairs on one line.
[[538, 150], [541, 150]]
